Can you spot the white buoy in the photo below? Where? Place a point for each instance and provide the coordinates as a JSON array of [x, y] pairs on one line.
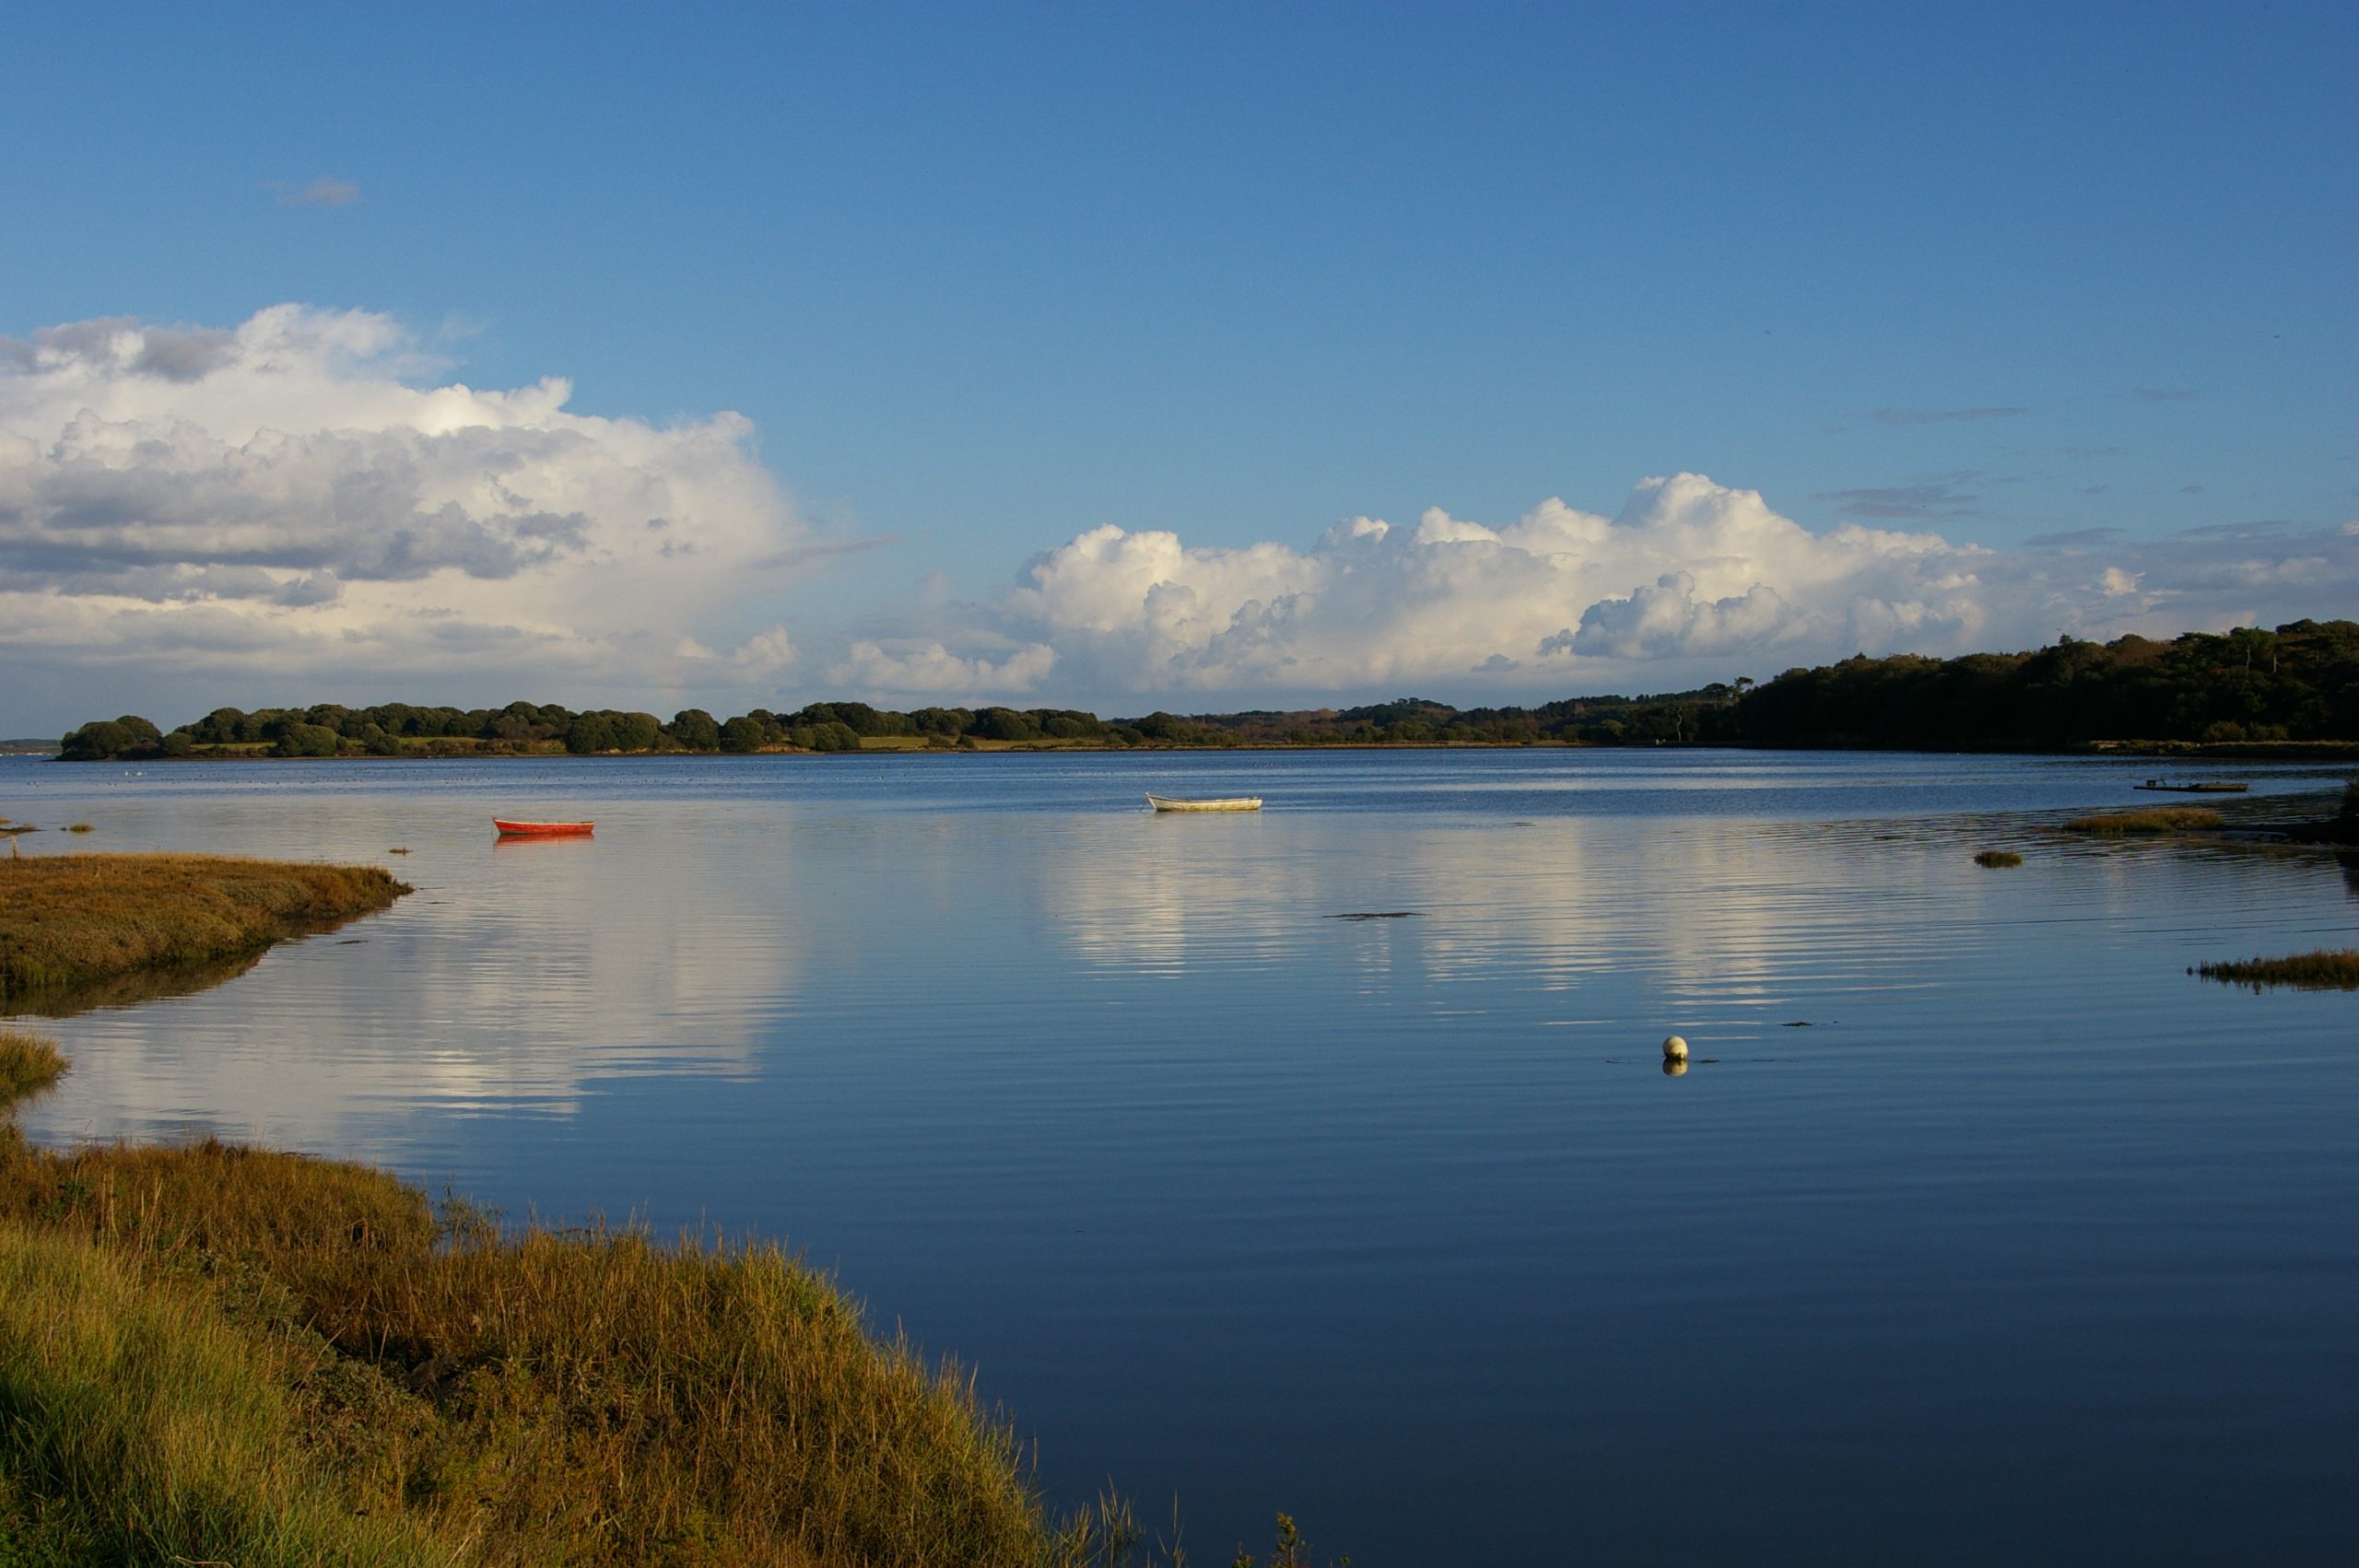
[[1674, 1048]]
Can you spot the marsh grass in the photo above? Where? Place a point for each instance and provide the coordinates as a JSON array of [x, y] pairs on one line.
[[2330, 970], [1998, 858], [28, 1064], [221, 1355], [153, 1431], [69, 922], [1290, 1550], [2160, 819], [80, 827]]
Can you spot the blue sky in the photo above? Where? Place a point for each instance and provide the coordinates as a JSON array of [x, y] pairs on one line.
[[983, 279]]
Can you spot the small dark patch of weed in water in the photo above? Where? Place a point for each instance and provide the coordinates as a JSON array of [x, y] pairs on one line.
[[2331, 970]]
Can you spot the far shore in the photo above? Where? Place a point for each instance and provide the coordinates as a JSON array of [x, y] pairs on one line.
[[464, 749]]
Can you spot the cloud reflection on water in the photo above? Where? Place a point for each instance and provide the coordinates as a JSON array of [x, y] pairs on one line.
[[506, 982]]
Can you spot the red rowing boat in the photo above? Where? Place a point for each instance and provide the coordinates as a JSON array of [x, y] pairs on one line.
[[541, 829]]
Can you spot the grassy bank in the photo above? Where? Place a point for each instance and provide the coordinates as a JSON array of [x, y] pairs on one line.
[[219, 1354], [2334, 971], [73, 921]]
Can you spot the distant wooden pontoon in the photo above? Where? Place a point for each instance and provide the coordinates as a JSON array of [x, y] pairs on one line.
[[2201, 786]]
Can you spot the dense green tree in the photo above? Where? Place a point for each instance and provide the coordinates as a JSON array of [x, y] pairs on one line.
[[953, 722], [224, 726], [637, 732], [591, 733], [695, 729], [104, 738], [744, 733], [297, 737], [832, 736], [1004, 724]]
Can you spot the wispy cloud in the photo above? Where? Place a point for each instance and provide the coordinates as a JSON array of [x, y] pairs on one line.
[[2076, 537], [323, 191], [2260, 528], [1944, 415], [1939, 499]]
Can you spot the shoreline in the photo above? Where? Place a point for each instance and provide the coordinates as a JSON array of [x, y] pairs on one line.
[[2191, 750]]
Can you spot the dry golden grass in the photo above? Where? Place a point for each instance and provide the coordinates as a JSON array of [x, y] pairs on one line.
[[2161, 819], [227, 1354], [73, 920], [28, 1064], [2330, 970]]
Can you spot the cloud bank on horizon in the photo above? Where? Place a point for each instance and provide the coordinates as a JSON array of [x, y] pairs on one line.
[[216, 507], [1692, 581]]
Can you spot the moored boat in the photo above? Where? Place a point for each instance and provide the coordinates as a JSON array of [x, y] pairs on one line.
[[541, 829], [1225, 803]]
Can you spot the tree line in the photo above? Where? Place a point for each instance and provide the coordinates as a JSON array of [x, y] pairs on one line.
[[404, 729], [2299, 682]]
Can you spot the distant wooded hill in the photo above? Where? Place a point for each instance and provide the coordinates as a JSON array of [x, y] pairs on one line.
[[2298, 683]]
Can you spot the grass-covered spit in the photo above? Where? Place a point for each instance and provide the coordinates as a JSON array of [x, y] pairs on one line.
[[2333, 970], [70, 921], [212, 1354], [2160, 819]]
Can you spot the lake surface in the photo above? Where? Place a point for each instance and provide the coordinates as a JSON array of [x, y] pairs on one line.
[[2031, 1247]]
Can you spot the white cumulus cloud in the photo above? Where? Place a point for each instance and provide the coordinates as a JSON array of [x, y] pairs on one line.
[[1690, 581], [302, 493]]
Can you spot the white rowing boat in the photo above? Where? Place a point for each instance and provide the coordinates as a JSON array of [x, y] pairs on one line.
[[1232, 804]]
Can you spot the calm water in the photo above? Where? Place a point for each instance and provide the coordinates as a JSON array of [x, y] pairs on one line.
[[2030, 1247]]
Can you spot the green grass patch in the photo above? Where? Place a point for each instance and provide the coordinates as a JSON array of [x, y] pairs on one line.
[[1998, 858], [147, 1428], [68, 923], [2160, 819], [2330, 970]]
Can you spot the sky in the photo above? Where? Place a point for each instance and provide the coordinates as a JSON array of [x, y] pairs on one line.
[[1123, 358]]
